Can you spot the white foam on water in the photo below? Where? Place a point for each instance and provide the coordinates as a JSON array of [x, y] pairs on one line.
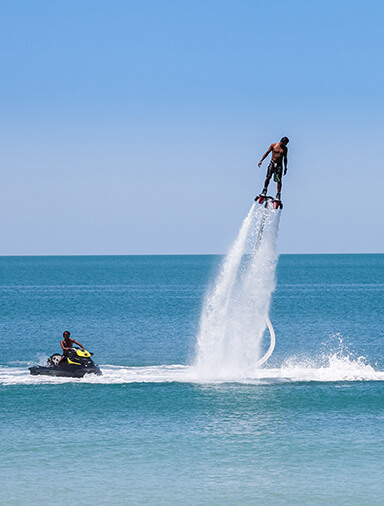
[[335, 364], [334, 368], [233, 318], [111, 375]]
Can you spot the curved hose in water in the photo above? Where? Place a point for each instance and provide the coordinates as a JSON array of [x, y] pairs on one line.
[[271, 345]]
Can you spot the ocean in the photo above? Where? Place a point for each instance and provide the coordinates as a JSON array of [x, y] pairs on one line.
[[306, 427]]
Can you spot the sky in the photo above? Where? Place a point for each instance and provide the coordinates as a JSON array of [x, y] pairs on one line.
[[135, 126]]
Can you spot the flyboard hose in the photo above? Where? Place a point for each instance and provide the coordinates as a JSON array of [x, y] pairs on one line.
[[271, 345], [261, 229], [269, 323]]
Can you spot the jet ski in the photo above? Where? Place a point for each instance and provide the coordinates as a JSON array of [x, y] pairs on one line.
[[75, 365]]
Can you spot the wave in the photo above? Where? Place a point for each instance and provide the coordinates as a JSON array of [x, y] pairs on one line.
[[293, 370]]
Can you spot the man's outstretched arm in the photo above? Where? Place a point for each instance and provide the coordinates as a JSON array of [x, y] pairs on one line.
[[265, 155], [285, 162], [77, 342]]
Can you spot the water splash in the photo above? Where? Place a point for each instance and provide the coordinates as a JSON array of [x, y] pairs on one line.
[[336, 363], [293, 370], [233, 318]]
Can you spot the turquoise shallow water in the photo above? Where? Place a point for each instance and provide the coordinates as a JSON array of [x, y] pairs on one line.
[[306, 430]]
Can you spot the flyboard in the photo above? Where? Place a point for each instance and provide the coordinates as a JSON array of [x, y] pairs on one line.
[[268, 202], [266, 199]]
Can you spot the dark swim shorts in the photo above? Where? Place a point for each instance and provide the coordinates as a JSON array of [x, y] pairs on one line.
[[275, 170]]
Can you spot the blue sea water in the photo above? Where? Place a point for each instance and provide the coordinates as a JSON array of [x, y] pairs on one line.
[[307, 429]]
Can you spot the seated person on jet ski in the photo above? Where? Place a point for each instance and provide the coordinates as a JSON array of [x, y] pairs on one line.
[[66, 344]]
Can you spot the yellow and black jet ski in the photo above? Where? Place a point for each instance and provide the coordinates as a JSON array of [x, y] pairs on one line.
[[77, 363]]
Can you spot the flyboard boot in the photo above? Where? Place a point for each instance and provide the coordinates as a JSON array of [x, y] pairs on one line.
[[262, 196], [277, 201]]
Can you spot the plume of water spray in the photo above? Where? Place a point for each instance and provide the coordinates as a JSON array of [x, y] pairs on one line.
[[234, 313]]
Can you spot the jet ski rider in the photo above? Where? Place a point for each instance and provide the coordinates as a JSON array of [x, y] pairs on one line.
[[66, 344]]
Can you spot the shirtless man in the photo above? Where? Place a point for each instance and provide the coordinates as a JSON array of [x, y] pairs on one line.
[[66, 344], [275, 167]]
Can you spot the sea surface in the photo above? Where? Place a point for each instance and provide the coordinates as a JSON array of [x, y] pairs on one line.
[[306, 428]]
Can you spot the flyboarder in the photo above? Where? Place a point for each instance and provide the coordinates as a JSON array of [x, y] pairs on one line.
[[279, 154]]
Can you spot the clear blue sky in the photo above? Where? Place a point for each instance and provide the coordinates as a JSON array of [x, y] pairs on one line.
[[134, 127]]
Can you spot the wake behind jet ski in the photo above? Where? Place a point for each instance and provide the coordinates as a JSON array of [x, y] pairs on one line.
[[75, 364]]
